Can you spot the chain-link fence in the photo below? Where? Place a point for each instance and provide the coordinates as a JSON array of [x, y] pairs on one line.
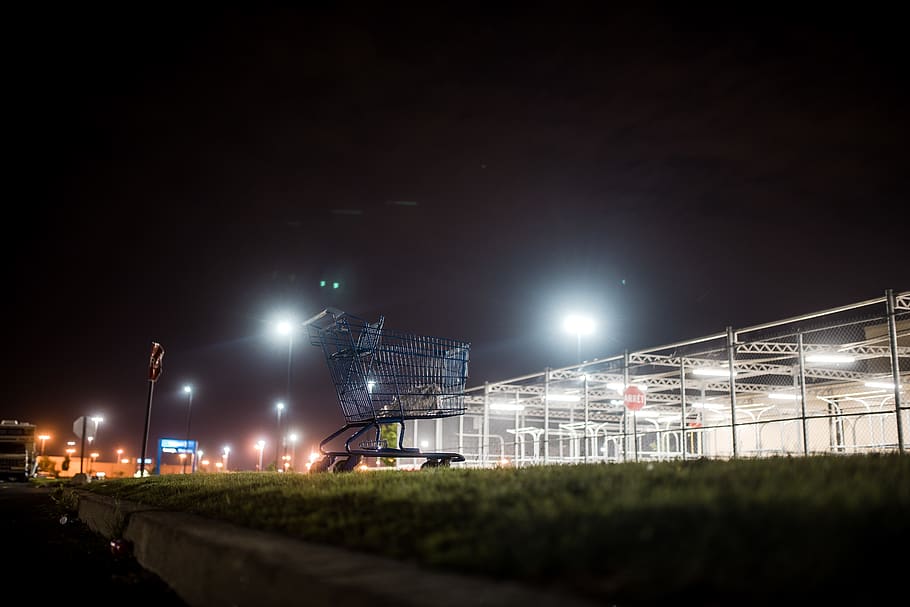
[[829, 382]]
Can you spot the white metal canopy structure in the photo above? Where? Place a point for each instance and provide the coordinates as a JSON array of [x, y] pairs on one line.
[[825, 382]]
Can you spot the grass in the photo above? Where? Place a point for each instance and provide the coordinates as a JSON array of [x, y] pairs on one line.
[[745, 528]]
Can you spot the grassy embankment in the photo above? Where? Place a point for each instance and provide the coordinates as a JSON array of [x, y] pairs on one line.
[[747, 527]]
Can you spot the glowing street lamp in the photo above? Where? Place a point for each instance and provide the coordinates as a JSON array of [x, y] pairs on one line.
[[260, 445], [224, 456], [98, 421], [286, 327], [93, 434], [579, 325], [293, 438], [278, 407], [189, 411], [43, 438]]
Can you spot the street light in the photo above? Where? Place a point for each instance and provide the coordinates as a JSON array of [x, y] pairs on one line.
[[260, 445], [43, 438], [224, 456], [579, 325], [189, 411], [286, 328], [293, 438], [279, 407], [97, 421]]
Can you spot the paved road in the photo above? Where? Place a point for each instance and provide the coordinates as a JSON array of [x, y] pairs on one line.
[[69, 562]]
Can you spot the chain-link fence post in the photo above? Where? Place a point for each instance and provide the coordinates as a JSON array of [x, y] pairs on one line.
[[895, 367], [731, 344], [802, 391]]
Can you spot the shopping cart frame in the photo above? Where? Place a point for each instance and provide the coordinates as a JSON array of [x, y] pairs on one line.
[[356, 350]]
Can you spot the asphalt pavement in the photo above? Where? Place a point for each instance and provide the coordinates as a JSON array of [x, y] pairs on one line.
[[52, 560]]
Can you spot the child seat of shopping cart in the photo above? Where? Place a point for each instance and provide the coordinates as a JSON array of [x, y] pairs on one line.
[[386, 377]]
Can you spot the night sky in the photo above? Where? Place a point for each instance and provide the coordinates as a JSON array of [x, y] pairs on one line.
[[475, 172]]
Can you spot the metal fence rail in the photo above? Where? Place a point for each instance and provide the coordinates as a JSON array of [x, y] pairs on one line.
[[833, 381]]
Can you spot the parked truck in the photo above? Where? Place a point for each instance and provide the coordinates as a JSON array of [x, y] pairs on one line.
[[18, 451]]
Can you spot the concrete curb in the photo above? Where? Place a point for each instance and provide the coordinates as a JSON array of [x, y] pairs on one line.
[[210, 563]]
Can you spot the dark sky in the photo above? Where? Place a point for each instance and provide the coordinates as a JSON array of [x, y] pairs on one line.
[[473, 172]]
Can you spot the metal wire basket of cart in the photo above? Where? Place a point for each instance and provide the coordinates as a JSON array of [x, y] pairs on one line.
[[386, 377]]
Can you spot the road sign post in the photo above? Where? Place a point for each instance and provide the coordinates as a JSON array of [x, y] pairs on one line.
[[157, 354], [634, 399]]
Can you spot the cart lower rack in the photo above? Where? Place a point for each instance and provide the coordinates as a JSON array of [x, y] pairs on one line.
[[386, 377]]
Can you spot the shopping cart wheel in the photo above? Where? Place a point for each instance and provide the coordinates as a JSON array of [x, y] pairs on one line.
[[436, 463], [322, 465], [347, 464]]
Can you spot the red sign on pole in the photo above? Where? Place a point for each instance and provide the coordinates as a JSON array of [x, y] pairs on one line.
[[155, 361], [634, 398]]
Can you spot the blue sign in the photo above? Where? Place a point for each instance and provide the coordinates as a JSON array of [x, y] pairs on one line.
[[175, 445]]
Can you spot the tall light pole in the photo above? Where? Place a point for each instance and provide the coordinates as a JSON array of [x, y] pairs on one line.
[[579, 325], [224, 455], [189, 411], [293, 438], [286, 328], [43, 438], [97, 420], [260, 445], [278, 407]]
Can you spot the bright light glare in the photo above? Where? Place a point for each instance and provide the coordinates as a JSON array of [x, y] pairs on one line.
[[578, 325], [188, 389], [284, 327], [880, 384], [709, 406], [563, 398], [279, 406], [783, 396], [712, 372], [506, 407], [830, 358]]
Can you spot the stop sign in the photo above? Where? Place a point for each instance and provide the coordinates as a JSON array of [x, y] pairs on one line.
[[634, 398]]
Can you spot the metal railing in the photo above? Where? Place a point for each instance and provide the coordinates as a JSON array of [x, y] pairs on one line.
[[825, 382]]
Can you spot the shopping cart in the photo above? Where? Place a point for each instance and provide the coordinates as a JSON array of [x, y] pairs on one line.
[[386, 377]]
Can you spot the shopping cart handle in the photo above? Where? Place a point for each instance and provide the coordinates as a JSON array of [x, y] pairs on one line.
[[333, 311]]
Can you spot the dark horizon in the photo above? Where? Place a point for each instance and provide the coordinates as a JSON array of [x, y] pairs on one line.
[[471, 173]]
